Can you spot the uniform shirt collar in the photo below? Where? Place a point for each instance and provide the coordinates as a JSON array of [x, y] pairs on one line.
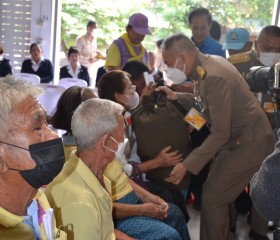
[[9, 219], [198, 62], [71, 71], [34, 63]]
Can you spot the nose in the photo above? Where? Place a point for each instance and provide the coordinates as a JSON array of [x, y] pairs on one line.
[[48, 134]]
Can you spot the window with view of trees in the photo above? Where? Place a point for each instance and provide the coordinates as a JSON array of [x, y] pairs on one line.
[[165, 17]]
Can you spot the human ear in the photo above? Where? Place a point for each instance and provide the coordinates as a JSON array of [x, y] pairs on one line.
[[256, 45], [3, 166], [184, 58]]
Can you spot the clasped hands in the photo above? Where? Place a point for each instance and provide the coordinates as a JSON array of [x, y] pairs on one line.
[[155, 207]]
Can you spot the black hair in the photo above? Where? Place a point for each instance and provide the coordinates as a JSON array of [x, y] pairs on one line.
[[271, 29], [111, 83], [73, 50], [200, 12], [159, 42], [90, 23], [128, 27], [34, 44], [135, 69], [66, 105], [215, 30]]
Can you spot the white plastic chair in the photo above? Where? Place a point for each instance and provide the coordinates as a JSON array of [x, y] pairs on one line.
[[69, 82], [50, 97], [28, 77]]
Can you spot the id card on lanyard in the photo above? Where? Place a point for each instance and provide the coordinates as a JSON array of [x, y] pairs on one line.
[[195, 119]]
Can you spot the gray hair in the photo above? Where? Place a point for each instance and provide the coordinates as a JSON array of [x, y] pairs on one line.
[[13, 92], [93, 119], [177, 43]]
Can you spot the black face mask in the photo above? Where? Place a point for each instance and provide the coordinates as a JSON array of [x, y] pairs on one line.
[[49, 159]]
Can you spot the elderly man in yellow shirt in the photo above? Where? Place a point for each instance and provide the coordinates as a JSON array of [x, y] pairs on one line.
[[80, 194], [31, 155], [135, 218]]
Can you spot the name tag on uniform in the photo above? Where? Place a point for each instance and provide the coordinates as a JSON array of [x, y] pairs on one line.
[[269, 107], [195, 119]]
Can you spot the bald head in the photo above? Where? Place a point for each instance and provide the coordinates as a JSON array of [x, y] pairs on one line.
[[179, 52], [269, 30], [267, 45], [178, 43]]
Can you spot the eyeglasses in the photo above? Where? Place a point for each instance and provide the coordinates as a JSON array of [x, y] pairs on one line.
[[132, 89]]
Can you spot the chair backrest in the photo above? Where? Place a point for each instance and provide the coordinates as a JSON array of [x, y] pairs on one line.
[[69, 82], [28, 77], [50, 97]]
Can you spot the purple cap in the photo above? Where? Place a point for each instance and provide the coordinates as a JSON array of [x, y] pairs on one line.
[[139, 22]]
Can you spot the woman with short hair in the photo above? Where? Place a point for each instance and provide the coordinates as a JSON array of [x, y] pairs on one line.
[[74, 69], [38, 65]]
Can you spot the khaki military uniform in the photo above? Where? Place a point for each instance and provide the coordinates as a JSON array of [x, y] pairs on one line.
[[243, 62], [240, 139]]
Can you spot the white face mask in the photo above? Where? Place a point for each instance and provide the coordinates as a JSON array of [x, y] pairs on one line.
[[176, 75], [120, 156], [94, 32], [120, 150], [132, 100], [268, 59]]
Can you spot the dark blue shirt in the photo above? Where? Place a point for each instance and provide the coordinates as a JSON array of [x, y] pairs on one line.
[[45, 70], [5, 67], [83, 74]]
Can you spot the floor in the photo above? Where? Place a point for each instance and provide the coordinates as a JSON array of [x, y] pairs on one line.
[[241, 232]]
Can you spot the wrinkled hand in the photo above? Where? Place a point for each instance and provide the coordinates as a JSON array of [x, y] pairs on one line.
[[152, 198], [169, 93], [183, 87], [154, 210], [177, 174], [167, 158]]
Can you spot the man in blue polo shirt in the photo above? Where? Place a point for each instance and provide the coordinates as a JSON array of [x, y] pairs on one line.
[[200, 20]]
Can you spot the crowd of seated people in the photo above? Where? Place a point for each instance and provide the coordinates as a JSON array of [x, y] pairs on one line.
[[132, 211], [133, 206]]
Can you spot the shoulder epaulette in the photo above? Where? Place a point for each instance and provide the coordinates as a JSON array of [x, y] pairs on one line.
[[200, 71], [239, 58]]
